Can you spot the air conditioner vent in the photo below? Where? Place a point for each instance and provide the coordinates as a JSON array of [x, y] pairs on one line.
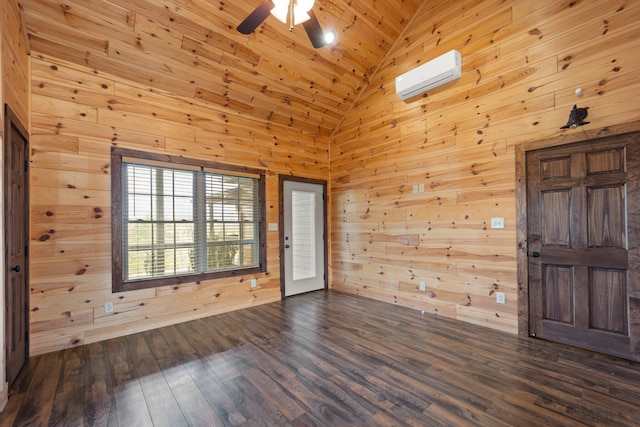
[[443, 69]]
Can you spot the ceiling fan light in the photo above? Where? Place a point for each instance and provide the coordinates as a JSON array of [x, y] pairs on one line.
[[329, 37], [302, 5], [281, 10], [300, 16], [300, 9]]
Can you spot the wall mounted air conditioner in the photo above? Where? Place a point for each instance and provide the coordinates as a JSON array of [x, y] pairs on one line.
[[429, 75]]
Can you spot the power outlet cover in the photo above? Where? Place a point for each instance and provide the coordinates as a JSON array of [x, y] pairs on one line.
[[108, 307], [500, 297]]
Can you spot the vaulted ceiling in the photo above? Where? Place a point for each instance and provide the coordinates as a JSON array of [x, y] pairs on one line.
[[191, 48]]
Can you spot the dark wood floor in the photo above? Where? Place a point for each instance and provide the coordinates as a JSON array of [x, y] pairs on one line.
[[325, 359]]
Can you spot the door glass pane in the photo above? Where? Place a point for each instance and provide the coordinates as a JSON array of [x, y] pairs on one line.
[[303, 234]]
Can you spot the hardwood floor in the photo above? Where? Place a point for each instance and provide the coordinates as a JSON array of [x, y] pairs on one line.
[[325, 359]]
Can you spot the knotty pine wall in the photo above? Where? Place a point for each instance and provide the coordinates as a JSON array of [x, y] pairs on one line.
[[15, 62], [521, 63], [14, 91], [77, 115]]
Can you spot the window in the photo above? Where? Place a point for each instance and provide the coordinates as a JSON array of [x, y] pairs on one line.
[[178, 220]]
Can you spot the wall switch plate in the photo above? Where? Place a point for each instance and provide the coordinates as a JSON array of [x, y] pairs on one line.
[[108, 307], [273, 226], [500, 298], [415, 188], [423, 286], [254, 283], [421, 188], [497, 222]]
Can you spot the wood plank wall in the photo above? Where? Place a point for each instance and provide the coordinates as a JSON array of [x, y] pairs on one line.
[[77, 115], [522, 62], [521, 65], [15, 62]]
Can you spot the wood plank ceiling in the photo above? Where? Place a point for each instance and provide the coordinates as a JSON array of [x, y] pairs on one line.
[[191, 48]]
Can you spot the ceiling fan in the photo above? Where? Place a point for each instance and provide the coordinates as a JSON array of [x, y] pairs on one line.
[[291, 11]]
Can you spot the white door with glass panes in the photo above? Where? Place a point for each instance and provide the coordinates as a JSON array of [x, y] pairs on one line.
[[304, 245]]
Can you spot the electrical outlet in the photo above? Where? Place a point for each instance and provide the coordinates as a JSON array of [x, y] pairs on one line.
[[254, 283], [108, 307], [423, 286], [415, 188], [500, 298], [421, 188]]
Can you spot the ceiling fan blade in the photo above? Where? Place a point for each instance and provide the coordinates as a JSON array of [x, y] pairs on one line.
[[314, 31], [256, 17]]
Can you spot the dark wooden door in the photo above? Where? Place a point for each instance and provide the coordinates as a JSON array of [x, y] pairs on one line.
[[16, 229], [583, 204]]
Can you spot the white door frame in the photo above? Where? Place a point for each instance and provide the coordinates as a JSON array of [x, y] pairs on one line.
[[282, 179]]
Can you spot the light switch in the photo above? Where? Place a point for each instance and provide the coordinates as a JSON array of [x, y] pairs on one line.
[[108, 307], [497, 222], [273, 226]]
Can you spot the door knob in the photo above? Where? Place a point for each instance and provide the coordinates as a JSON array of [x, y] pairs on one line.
[[286, 246], [535, 254], [16, 269]]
